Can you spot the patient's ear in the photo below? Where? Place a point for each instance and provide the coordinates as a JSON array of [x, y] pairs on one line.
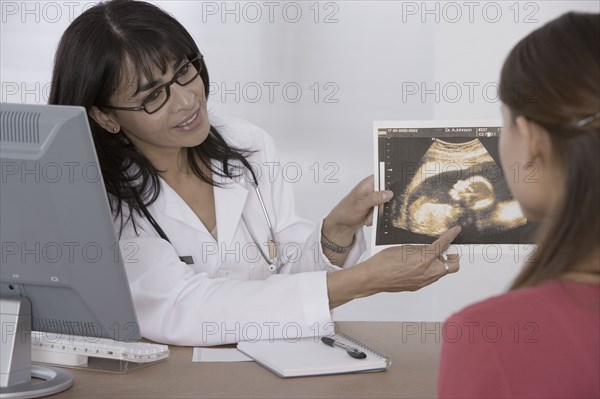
[[536, 139], [107, 121]]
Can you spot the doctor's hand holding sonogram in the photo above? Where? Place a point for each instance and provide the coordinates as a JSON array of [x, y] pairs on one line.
[[412, 267], [395, 269], [355, 210]]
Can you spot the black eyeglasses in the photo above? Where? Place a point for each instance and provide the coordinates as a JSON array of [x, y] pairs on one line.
[[159, 96]]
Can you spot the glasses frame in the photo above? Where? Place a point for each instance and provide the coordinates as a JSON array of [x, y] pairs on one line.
[[167, 86]]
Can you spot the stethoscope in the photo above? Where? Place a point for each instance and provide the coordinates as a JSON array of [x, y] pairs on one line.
[[272, 258]]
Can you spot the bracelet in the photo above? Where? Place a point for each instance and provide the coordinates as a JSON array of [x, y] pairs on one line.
[[334, 247]]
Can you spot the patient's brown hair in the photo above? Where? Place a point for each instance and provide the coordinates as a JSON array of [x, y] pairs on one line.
[[552, 77]]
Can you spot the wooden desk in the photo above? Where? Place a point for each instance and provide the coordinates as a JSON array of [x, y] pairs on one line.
[[414, 349]]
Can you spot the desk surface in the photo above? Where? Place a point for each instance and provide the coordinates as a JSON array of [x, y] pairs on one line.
[[413, 347]]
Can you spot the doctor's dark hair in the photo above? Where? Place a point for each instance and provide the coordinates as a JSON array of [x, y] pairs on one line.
[[552, 77], [89, 66]]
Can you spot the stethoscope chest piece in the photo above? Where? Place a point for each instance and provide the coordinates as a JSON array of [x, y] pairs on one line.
[[274, 266]]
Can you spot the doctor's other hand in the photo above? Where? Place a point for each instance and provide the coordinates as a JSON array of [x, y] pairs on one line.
[[401, 268], [353, 211]]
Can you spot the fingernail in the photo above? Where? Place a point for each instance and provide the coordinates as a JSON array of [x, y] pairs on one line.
[[458, 229], [388, 195]]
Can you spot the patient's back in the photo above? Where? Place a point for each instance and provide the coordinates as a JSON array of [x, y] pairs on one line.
[[542, 341]]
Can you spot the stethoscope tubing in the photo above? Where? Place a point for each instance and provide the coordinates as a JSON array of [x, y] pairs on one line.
[[274, 264]]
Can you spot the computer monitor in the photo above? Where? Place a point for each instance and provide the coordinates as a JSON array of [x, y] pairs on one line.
[[62, 270]]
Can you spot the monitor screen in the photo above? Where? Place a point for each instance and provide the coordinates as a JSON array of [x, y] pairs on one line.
[[58, 245]]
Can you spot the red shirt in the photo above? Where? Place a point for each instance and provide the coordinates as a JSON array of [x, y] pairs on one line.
[[539, 342]]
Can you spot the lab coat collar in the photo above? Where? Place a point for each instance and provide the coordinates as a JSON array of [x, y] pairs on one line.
[[230, 199]]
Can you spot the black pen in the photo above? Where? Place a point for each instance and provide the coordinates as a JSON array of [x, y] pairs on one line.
[[355, 353]]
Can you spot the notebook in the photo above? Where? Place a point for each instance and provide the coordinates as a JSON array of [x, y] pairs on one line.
[[310, 356]]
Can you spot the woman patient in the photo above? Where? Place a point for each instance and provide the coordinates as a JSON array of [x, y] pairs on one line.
[[542, 339]]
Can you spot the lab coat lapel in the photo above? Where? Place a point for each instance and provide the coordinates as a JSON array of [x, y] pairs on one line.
[[173, 206], [230, 200]]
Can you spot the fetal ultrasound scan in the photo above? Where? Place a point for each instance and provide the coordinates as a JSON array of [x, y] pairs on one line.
[[442, 177]]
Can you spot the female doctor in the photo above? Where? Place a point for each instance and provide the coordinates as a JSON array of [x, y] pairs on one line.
[[213, 249]]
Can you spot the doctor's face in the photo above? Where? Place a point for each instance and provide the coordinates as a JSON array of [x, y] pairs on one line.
[[181, 122]]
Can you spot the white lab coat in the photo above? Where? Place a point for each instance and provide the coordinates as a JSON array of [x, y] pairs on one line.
[[229, 294]]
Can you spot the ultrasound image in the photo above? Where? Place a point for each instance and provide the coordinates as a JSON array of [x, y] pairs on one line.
[[455, 182]]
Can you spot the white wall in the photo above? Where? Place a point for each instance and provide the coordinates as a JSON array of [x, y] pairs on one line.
[[361, 59]]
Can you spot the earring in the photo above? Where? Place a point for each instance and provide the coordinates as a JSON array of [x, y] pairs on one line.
[[115, 129]]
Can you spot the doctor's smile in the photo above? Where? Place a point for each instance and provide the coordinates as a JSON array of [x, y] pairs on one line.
[[188, 124]]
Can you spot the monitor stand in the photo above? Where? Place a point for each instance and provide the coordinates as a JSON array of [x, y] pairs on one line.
[[16, 369]]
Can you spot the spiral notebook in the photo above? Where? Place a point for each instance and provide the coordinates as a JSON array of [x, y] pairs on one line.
[[310, 356]]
